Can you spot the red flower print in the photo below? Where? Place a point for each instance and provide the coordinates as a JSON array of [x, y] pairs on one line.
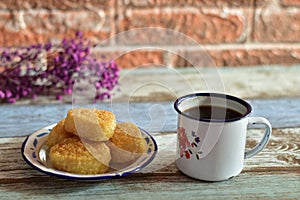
[[186, 148], [183, 142], [187, 154]]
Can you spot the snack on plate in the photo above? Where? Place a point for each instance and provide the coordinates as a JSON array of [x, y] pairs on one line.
[[127, 143], [88, 141], [72, 156], [91, 124], [57, 134]]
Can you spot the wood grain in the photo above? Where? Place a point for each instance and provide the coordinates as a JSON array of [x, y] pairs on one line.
[[21, 120], [273, 173], [282, 153], [246, 186], [165, 84]]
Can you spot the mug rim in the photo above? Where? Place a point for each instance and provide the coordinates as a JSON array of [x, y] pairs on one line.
[[211, 94]]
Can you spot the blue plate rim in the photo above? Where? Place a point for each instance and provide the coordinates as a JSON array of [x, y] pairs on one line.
[[91, 177]]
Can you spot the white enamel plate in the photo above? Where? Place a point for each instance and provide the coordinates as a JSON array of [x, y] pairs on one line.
[[36, 155]]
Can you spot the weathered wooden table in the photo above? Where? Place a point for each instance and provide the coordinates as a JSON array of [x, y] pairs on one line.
[[146, 98]]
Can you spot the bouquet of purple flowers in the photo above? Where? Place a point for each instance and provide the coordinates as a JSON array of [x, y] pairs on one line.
[[47, 69]]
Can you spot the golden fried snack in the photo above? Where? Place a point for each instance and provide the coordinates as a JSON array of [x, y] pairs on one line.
[[71, 155], [91, 124], [57, 134], [127, 143]]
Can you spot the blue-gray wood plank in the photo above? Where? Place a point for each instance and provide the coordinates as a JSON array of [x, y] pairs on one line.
[[21, 120]]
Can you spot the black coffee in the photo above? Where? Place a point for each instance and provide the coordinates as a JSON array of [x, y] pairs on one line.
[[212, 113]]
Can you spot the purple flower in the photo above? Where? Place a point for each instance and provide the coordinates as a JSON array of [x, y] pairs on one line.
[[8, 94], [2, 95], [24, 72]]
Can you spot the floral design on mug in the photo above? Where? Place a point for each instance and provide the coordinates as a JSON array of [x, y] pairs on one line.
[[186, 148], [184, 143]]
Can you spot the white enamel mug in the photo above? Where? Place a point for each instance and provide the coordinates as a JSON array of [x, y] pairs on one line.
[[214, 149]]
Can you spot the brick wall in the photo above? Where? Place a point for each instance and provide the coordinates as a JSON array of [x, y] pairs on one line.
[[234, 32]]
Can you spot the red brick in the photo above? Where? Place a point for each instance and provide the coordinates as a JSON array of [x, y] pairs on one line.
[[183, 3], [199, 58], [209, 27], [256, 57], [290, 3], [277, 26], [251, 57], [177, 59], [40, 27], [132, 59], [55, 4]]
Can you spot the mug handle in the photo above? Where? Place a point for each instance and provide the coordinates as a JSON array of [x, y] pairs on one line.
[[264, 140]]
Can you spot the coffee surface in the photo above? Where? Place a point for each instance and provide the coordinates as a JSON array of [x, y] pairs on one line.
[[208, 112]]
